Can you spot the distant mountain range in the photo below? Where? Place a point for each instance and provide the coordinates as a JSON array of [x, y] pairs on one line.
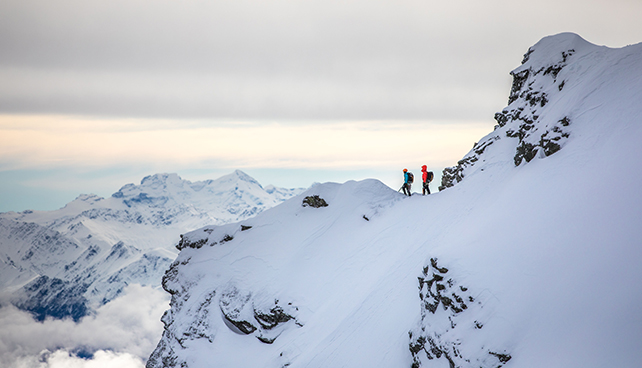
[[65, 262]]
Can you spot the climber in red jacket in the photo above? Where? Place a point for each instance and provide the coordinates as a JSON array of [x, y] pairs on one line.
[[427, 178]]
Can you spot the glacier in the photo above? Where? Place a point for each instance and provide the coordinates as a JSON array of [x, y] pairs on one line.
[[529, 256]]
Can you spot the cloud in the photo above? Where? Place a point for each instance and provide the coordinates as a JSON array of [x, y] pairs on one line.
[[281, 59], [122, 333], [38, 142], [63, 359]]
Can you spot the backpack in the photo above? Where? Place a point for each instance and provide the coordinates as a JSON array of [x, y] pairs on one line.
[[411, 177], [430, 177]]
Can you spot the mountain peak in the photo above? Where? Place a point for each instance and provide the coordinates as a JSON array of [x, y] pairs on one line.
[[243, 176], [561, 79], [88, 198], [548, 50], [233, 196], [162, 178], [239, 176]]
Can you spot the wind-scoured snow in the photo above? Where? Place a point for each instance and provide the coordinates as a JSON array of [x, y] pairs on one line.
[[529, 258]]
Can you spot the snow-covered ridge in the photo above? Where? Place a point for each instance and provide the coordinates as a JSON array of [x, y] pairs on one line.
[[267, 301], [526, 262], [85, 253]]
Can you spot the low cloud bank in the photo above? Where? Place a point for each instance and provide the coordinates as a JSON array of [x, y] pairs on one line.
[[120, 334], [63, 359]]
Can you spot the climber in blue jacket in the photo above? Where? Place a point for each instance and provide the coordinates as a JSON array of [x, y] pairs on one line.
[[407, 181]]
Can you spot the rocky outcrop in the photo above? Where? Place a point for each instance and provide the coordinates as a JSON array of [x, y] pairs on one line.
[[250, 317], [314, 201], [453, 175], [529, 125], [241, 311], [448, 307], [530, 91], [196, 243]]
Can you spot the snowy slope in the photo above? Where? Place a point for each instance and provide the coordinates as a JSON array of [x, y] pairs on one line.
[[530, 258], [30, 249], [88, 251]]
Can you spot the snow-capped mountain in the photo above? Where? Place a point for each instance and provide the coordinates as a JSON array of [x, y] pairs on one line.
[[530, 260], [65, 261]]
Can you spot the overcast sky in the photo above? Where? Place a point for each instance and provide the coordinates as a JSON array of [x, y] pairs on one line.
[[96, 94]]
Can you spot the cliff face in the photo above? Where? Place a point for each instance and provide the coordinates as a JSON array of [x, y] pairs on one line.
[[555, 74], [530, 260]]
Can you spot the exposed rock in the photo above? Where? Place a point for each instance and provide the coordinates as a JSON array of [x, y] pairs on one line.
[[448, 307], [453, 175], [52, 297], [533, 88], [314, 201], [185, 243], [251, 317], [503, 358], [272, 318], [233, 304], [226, 238], [197, 243], [200, 326], [242, 312]]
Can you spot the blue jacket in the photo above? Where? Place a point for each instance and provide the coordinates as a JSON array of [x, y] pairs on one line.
[[405, 178]]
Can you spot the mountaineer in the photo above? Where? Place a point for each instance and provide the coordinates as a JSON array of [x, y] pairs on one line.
[[427, 177], [408, 178]]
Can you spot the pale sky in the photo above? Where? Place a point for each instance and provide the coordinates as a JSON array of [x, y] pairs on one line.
[[98, 94]]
